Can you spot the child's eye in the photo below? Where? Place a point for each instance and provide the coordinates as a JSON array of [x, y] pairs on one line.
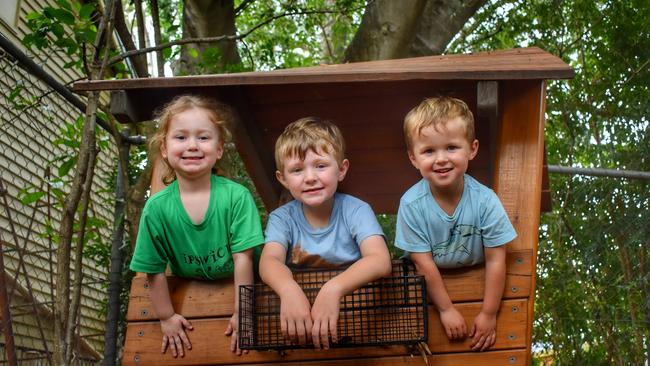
[[452, 148], [295, 170], [179, 137], [321, 166], [204, 138], [428, 152]]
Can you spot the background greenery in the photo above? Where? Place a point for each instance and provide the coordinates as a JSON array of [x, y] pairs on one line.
[[593, 282]]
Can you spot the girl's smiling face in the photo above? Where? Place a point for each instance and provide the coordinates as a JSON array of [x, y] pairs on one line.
[[192, 145]]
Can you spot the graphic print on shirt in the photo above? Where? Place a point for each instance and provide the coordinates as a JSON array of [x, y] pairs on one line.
[[302, 259], [459, 237], [216, 261]]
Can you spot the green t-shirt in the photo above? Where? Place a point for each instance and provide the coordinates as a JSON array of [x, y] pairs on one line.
[[167, 235]]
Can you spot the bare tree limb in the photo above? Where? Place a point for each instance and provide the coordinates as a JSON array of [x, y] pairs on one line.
[[160, 62], [180, 42], [244, 4], [71, 201], [78, 260], [139, 62]]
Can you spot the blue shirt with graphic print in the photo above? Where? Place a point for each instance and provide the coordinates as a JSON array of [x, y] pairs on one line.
[[351, 222], [457, 240]]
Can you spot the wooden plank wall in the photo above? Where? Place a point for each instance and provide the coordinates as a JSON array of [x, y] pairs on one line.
[[517, 179], [209, 306]]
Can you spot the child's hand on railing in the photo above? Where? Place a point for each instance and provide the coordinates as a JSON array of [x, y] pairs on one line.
[[483, 331], [174, 336], [295, 316], [325, 314], [232, 331], [454, 323]]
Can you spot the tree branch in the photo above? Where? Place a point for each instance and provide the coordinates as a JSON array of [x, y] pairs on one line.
[[180, 42], [244, 4]]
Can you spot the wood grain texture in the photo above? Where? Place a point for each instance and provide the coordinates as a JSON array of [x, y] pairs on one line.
[[513, 357], [519, 164], [521, 63], [201, 299], [210, 346]]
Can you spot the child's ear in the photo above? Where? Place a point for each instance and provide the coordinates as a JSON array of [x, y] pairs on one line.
[[473, 149], [220, 150], [280, 177], [163, 150], [343, 169], [412, 158]]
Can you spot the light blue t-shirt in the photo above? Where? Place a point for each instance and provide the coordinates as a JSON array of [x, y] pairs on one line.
[[351, 222], [457, 240]]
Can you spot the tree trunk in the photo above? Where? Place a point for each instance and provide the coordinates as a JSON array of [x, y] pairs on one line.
[[208, 18], [398, 29], [439, 23], [386, 31]]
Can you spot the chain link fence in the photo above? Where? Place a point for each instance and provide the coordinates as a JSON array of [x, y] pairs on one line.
[[39, 133]]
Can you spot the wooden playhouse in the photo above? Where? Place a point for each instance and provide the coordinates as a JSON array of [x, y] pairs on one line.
[[368, 100]]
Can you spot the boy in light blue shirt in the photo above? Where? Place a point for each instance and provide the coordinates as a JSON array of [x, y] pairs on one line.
[[319, 228], [450, 220]]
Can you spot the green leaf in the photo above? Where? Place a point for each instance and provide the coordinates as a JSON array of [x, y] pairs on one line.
[[34, 16], [30, 197], [64, 4], [63, 16], [193, 52], [86, 11], [65, 167], [57, 29]]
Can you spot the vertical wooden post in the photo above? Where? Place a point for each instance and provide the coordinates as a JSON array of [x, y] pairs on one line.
[[518, 169]]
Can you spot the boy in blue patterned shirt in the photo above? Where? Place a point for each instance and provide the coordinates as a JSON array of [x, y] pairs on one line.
[[450, 220], [319, 228]]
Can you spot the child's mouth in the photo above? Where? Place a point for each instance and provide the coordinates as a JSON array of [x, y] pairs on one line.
[[442, 171], [312, 190]]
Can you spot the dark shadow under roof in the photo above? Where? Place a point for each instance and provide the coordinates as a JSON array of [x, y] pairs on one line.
[[368, 100]]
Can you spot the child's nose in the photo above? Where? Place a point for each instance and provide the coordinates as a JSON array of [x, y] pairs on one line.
[[310, 175], [192, 143], [440, 157]]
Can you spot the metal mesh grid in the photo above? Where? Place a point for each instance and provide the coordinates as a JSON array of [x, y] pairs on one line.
[[392, 310], [27, 161]]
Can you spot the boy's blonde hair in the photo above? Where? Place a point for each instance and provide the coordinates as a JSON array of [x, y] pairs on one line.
[[219, 114], [437, 112], [309, 133]]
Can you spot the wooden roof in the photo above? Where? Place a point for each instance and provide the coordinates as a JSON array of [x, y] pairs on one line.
[[519, 63], [368, 100]]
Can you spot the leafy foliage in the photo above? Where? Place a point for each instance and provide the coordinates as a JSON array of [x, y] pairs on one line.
[[67, 27], [305, 32]]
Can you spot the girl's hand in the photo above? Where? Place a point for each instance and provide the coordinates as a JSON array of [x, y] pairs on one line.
[[173, 330], [454, 323], [483, 331], [232, 331], [295, 317], [325, 313]]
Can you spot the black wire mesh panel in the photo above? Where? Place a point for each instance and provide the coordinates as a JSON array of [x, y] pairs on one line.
[[392, 310]]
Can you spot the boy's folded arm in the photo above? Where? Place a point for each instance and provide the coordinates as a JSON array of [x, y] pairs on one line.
[[451, 319], [273, 270], [294, 307], [373, 264]]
